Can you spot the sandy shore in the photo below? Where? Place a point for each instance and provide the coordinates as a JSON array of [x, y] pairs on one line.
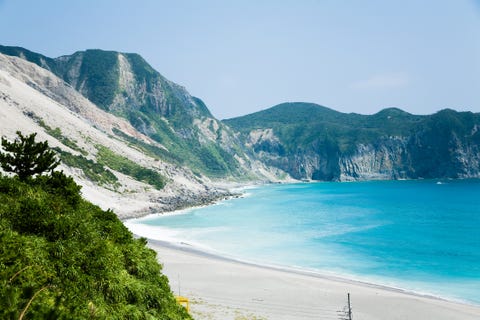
[[220, 288]]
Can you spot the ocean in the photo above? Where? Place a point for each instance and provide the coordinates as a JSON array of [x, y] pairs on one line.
[[420, 236]]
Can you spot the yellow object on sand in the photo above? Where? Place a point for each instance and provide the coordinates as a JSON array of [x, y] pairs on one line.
[[184, 302]]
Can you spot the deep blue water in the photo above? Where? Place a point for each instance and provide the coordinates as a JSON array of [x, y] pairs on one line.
[[422, 236]]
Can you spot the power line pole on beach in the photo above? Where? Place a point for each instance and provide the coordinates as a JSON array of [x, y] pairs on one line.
[[349, 307], [346, 313]]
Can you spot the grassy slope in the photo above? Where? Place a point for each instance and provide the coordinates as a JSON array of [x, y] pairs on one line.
[[75, 260]]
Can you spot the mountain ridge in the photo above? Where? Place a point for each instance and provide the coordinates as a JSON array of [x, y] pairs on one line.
[[301, 140], [32, 99], [312, 142], [125, 85]]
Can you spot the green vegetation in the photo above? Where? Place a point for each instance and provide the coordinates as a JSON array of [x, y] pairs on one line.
[[429, 144], [301, 125], [98, 71], [56, 133], [95, 172], [143, 72], [63, 258], [215, 161], [177, 104], [99, 76], [121, 164], [435, 143], [41, 60], [208, 158], [151, 150], [27, 158]]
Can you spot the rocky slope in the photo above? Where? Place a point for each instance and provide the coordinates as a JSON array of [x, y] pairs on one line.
[[316, 143], [125, 85], [32, 99]]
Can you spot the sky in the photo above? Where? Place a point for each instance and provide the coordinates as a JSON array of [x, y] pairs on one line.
[[244, 56]]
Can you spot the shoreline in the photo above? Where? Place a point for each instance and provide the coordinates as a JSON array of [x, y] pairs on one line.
[[196, 250], [185, 255], [175, 204], [207, 200], [219, 284], [172, 242], [231, 190]]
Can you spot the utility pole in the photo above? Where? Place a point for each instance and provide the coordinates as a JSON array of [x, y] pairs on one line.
[[349, 307], [346, 313]]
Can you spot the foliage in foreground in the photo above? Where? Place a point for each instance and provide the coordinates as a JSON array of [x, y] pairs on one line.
[[61, 257]]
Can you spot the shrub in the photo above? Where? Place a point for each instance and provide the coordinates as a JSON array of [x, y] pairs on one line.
[[27, 158]]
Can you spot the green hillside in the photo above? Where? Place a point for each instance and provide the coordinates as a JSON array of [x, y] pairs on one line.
[[442, 145], [299, 125], [72, 260], [62, 257]]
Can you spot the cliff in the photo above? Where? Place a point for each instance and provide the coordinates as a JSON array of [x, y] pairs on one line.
[[316, 143]]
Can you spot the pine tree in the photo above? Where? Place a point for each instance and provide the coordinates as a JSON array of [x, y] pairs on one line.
[[26, 158]]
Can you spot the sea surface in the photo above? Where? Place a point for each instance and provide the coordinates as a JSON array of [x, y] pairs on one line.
[[420, 236]]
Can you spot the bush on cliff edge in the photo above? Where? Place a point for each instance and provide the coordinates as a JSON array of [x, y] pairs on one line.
[[62, 257]]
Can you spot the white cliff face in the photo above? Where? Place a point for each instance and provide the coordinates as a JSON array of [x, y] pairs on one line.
[[389, 158], [466, 157], [209, 129], [126, 83], [382, 162], [262, 135], [133, 92]]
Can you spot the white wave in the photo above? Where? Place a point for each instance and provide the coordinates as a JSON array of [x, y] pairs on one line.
[[336, 230], [152, 232]]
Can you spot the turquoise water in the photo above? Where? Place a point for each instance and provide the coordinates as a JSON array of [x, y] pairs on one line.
[[422, 236]]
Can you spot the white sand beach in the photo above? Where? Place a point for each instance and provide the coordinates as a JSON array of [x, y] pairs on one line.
[[220, 288]]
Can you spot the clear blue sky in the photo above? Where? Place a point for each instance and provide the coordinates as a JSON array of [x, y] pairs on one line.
[[243, 56]]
